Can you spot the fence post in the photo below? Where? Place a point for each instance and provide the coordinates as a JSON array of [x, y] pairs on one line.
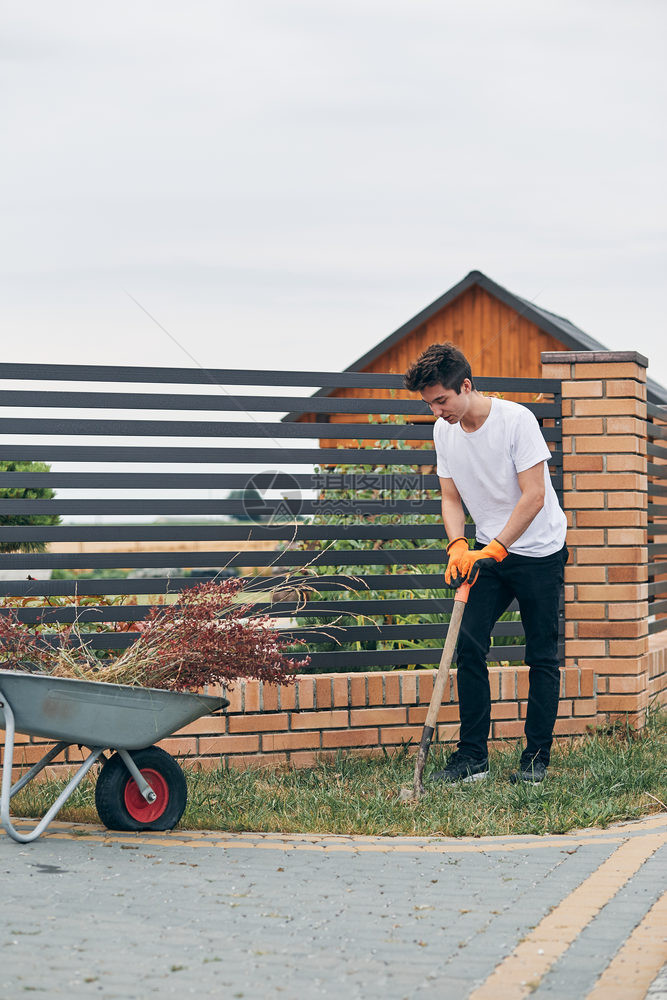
[[605, 499]]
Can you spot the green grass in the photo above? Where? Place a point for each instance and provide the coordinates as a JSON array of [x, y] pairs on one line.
[[608, 776]]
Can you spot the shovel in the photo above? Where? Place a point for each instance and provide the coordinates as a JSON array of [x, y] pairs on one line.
[[460, 599]]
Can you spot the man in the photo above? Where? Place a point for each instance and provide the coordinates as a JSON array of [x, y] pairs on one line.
[[491, 456]]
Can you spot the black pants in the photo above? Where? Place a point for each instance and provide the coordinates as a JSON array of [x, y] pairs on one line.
[[537, 584]]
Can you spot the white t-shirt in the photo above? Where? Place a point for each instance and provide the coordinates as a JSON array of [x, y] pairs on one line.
[[484, 466]]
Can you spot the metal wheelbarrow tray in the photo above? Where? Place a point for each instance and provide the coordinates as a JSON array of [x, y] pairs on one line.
[[141, 787]]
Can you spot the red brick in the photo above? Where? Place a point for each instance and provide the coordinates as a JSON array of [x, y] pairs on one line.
[[350, 738], [583, 425], [625, 387], [269, 698], [584, 706], [570, 726], [335, 719], [618, 703], [583, 611], [251, 696], [587, 683], [377, 716], [617, 443], [635, 573], [270, 722], [307, 758], [426, 678], [578, 500], [634, 609], [409, 688], [446, 713], [306, 692], [392, 689], [618, 554], [571, 682], [579, 389], [522, 682], [628, 647], [624, 684], [561, 371], [507, 729], [177, 747], [627, 463], [625, 425], [615, 630], [287, 697], [609, 481], [448, 733], [626, 370], [564, 708], [400, 734], [585, 647], [221, 745], [613, 592], [585, 536], [615, 407], [210, 725], [626, 536], [375, 691], [323, 692], [508, 684], [504, 710], [268, 761], [234, 695], [610, 518], [584, 574], [626, 500], [583, 463], [291, 741], [358, 690]]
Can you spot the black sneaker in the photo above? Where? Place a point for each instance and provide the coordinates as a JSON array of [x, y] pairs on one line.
[[462, 768], [531, 771]]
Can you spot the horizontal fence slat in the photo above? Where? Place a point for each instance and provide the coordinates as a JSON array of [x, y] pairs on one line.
[[229, 376], [341, 660], [657, 490], [98, 614], [224, 532], [231, 403], [657, 510], [201, 456], [657, 626], [659, 412], [657, 549], [657, 607], [657, 568], [657, 451], [350, 508], [658, 587], [112, 586], [361, 431], [656, 431], [103, 560]]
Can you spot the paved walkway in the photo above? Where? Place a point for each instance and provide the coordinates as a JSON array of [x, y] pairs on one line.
[[88, 913]]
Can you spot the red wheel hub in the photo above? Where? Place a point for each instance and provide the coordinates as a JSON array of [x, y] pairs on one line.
[[135, 803]]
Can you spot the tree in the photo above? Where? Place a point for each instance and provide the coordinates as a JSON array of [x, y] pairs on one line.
[[24, 493]]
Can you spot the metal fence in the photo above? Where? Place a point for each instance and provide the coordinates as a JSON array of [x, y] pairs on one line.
[[245, 437], [657, 516]]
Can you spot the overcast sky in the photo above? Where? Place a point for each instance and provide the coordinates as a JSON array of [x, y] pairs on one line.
[[283, 184]]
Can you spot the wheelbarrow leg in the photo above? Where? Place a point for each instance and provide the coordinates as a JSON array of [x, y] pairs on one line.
[[144, 787], [7, 791]]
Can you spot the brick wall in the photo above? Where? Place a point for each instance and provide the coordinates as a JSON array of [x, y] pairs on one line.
[[605, 498], [612, 669], [318, 715]]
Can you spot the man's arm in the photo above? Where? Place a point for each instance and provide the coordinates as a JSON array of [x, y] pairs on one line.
[[452, 509], [530, 503]]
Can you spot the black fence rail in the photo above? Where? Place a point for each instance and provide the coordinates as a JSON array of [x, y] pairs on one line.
[[656, 431], [362, 515]]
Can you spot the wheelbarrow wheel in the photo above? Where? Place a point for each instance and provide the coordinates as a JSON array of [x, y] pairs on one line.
[[121, 806]]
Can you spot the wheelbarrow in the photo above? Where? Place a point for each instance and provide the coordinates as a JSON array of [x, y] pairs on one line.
[[140, 787]]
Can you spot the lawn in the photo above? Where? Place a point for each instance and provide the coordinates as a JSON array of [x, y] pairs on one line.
[[610, 775]]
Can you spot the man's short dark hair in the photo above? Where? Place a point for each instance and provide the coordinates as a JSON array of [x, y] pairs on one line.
[[439, 364]]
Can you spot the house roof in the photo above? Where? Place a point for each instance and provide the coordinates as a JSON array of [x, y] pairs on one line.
[[562, 329]]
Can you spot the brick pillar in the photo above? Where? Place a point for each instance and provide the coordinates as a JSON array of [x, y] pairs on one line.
[[605, 499]]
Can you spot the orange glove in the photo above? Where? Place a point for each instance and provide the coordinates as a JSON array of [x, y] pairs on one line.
[[457, 551], [469, 563]]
